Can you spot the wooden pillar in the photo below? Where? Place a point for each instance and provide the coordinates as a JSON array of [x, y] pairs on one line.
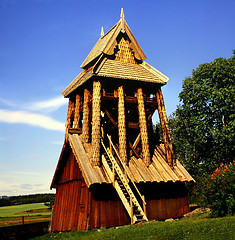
[[86, 117], [96, 106], [143, 127], [77, 111], [122, 125], [69, 121], [165, 129]]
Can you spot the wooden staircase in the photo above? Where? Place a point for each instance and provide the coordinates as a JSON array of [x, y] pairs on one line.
[[119, 176]]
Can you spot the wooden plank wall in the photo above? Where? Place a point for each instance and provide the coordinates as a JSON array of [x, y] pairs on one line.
[[167, 208], [76, 209]]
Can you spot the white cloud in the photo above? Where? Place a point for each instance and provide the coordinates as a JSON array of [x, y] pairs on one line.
[[58, 142], [48, 105], [32, 119]]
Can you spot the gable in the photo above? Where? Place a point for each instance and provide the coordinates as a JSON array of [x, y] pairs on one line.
[[108, 42]]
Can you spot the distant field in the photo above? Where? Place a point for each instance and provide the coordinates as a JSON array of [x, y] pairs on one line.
[[12, 215], [13, 211]]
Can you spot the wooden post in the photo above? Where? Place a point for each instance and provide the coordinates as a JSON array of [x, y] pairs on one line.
[[165, 129], [144, 206], [96, 107], [122, 126], [143, 127], [132, 213], [77, 111], [69, 121], [86, 117]]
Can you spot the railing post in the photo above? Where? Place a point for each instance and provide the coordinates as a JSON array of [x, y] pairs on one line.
[[131, 204], [144, 205], [113, 173]]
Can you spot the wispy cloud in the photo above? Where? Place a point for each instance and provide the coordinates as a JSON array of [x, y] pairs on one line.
[[57, 142], [32, 119], [26, 113], [47, 105]]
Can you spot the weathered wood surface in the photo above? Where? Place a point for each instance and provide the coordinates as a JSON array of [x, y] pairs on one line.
[[122, 125], [89, 173], [143, 127], [96, 131], [78, 105], [165, 129], [76, 209], [86, 117], [69, 120], [125, 54]]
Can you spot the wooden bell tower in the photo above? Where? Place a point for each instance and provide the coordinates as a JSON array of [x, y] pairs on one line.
[[110, 140]]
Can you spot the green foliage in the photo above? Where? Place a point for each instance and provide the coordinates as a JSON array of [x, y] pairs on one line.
[[32, 198], [4, 202], [203, 124], [50, 204], [193, 229], [217, 190]]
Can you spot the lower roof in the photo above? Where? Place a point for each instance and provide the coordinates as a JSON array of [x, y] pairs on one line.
[[158, 171], [118, 70]]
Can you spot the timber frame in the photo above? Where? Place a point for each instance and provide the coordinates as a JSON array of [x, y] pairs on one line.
[[110, 144]]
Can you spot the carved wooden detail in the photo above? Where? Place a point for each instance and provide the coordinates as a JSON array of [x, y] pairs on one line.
[[78, 105], [122, 125], [143, 127], [86, 117], [96, 107]]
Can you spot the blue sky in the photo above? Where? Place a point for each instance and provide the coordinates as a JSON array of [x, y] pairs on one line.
[[44, 42]]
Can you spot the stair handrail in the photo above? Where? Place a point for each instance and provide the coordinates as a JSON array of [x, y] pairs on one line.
[[123, 165]]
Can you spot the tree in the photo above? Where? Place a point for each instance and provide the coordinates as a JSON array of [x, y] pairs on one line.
[[202, 126]]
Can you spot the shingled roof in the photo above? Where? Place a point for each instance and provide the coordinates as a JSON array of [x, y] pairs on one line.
[[119, 70], [107, 43], [157, 171]]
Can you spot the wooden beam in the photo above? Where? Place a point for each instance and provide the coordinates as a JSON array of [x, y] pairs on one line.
[[77, 111], [69, 120], [110, 117], [96, 133], [86, 117], [143, 127], [122, 125], [165, 129], [148, 101], [137, 140], [133, 149]]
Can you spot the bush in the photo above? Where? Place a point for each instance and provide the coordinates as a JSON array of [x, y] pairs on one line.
[[217, 191]]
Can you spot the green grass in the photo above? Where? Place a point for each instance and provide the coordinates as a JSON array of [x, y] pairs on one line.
[[193, 229], [12, 215], [11, 211]]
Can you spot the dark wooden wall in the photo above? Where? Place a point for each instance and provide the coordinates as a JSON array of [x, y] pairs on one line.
[[77, 207]]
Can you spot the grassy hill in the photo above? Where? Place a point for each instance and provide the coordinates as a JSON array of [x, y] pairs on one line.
[[193, 228]]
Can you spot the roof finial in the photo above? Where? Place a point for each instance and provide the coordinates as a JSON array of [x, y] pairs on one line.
[[102, 32], [122, 14]]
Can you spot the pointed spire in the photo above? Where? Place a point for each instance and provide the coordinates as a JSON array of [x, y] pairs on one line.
[[102, 32], [122, 14], [122, 20]]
